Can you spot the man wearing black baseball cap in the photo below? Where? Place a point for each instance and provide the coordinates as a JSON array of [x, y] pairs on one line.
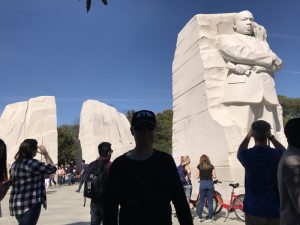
[[143, 182]]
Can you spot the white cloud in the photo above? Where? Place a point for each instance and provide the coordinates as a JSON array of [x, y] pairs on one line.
[[288, 71], [286, 36]]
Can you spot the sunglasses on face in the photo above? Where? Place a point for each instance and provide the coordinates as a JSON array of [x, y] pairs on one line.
[[144, 127]]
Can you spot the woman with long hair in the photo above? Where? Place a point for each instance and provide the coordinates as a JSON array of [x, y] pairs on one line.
[[28, 192], [185, 176], [206, 173], [3, 168]]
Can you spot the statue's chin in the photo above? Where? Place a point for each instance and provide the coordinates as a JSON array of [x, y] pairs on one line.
[[246, 32]]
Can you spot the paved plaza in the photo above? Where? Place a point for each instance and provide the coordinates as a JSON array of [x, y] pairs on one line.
[[65, 207]]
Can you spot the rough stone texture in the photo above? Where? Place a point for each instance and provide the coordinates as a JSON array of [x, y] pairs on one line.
[[35, 119], [100, 122], [203, 122]]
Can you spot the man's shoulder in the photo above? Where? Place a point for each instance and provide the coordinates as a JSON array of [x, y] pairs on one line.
[[291, 157], [162, 154], [120, 159]]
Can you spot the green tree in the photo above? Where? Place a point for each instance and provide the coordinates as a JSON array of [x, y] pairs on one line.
[[89, 4], [129, 114], [67, 143], [290, 107], [163, 138]]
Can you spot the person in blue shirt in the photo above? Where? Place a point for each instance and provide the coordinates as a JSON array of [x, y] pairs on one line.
[[261, 203]]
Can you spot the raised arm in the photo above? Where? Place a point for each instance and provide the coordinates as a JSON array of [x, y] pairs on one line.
[[234, 50], [44, 152], [245, 142], [276, 143], [40, 167]]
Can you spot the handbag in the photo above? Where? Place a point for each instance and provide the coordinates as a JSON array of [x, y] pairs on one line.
[[4, 188]]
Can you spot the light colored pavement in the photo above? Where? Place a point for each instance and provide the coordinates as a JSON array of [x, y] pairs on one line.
[[65, 207]]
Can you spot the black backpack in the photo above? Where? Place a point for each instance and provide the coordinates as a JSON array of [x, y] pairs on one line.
[[96, 180]]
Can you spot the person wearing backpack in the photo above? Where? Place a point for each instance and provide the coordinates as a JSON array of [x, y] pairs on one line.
[[184, 172], [143, 182], [96, 182]]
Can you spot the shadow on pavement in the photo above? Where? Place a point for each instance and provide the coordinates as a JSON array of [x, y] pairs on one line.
[[222, 215]]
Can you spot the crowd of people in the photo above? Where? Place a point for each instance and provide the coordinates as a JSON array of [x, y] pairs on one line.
[[137, 188]]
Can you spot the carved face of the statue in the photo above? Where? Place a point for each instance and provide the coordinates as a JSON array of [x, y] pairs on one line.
[[244, 23]]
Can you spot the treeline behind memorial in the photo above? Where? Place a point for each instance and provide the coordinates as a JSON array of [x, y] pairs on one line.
[[68, 134]]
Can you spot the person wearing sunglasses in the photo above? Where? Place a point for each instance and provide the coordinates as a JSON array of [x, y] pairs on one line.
[[143, 182]]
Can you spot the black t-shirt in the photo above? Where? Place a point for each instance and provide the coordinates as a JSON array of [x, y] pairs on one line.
[[205, 174], [144, 189]]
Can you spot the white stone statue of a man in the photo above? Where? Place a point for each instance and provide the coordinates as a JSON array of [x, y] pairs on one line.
[[249, 91]]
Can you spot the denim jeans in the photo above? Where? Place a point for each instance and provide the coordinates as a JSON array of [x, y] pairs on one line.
[[31, 216], [81, 181], [70, 178], [206, 192], [188, 191], [60, 180], [96, 213]]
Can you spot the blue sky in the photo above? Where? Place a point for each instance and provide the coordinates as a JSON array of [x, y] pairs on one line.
[[120, 54]]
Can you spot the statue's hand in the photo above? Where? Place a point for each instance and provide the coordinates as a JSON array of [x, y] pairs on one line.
[[277, 62], [242, 69], [259, 69]]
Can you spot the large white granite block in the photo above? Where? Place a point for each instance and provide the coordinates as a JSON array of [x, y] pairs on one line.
[[35, 119], [102, 123], [212, 114]]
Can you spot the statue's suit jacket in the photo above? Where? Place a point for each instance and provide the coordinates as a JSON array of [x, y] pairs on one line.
[[258, 86]]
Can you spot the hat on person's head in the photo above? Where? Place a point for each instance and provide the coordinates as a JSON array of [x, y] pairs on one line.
[[143, 116]]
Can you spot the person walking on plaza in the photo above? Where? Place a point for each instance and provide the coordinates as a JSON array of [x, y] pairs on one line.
[[60, 175], [289, 176], [96, 182], [143, 182], [82, 175], [69, 172], [206, 173], [261, 203], [185, 176], [28, 192]]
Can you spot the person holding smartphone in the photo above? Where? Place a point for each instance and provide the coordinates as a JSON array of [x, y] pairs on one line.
[[25, 203], [261, 203]]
